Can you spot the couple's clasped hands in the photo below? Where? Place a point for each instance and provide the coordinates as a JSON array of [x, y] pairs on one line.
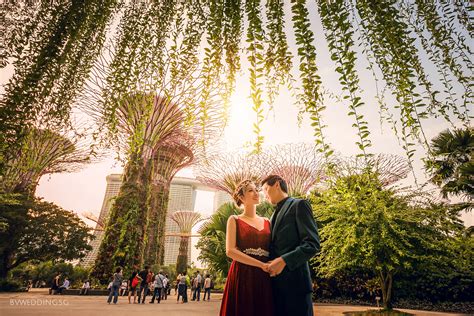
[[274, 267]]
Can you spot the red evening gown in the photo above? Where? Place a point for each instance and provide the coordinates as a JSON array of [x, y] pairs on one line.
[[248, 289]]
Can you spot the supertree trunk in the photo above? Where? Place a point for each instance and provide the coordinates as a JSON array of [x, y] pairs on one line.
[[169, 159], [182, 261], [158, 207], [123, 241]]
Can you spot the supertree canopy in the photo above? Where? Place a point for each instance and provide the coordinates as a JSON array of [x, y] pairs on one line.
[[226, 170], [44, 152], [388, 168], [186, 220], [301, 165]]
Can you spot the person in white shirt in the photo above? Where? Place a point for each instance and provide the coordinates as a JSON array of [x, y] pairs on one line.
[[158, 287], [197, 287], [85, 288], [123, 288], [207, 288], [64, 286], [164, 292]]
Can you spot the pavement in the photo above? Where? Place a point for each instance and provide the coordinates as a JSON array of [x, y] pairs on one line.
[[37, 302]]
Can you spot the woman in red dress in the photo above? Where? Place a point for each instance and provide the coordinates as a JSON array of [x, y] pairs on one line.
[[248, 288]]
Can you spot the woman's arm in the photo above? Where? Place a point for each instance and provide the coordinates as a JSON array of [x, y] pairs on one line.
[[231, 249]]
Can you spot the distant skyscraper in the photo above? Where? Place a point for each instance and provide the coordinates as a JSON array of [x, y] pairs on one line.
[[220, 198], [182, 197], [112, 190]]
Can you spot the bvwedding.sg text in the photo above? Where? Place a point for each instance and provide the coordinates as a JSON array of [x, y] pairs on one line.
[[38, 302]]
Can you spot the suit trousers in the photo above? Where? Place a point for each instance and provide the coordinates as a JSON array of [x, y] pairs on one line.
[[288, 302]]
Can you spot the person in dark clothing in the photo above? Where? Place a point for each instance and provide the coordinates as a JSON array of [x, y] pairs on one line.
[[295, 240], [143, 275], [55, 284]]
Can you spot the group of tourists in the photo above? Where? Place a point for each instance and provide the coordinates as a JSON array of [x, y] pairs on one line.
[[143, 283], [198, 283], [146, 283]]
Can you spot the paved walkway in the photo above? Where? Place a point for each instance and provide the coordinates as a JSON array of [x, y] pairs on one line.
[[37, 302]]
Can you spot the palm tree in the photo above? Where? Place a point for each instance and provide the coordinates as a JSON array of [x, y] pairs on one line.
[[451, 163]]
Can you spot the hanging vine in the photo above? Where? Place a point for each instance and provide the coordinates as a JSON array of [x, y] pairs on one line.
[[396, 56], [212, 62], [452, 50], [51, 65], [464, 12], [255, 51], [417, 26], [232, 36], [278, 58], [338, 30], [310, 79]]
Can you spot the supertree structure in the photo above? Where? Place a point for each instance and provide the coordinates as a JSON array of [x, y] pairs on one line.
[[389, 168], [301, 165], [225, 171], [160, 121], [185, 220], [157, 149], [45, 151]]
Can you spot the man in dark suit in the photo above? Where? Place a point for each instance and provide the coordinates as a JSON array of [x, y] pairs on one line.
[[295, 240]]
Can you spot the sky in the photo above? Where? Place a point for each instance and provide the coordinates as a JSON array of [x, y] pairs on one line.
[[83, 191]]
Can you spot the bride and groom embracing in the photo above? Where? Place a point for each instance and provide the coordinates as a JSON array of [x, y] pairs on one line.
[[269, 274]]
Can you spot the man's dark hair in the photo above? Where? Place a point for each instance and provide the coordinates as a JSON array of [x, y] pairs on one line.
[[147, 267], [118, 270], [272, 179]]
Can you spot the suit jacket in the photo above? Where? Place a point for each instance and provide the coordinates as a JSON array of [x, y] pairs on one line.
[[294, 238]]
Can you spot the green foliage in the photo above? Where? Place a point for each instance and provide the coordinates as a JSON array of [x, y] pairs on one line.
[[10, 286], [449, 279], [124, 236], [392, 46], [212, 241], [52, 54], [336, 23], [255, 52], [47, 270], [368, 226], [451, 164], [43, 231], [278, 58], [311, 96]]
